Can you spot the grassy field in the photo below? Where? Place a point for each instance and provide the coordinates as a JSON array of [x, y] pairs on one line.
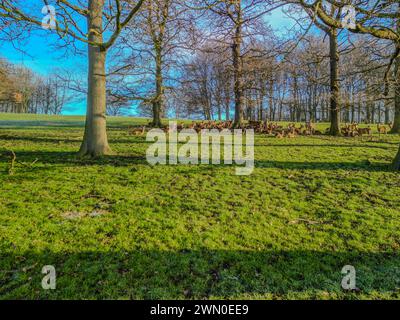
[[117, 228]]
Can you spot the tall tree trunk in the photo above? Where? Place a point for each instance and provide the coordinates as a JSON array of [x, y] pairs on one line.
[[315, 104], [158, 100], [368, 113], [227, 99], [373, 113], [396, 121], [260, 106], [396, 124], [353, 106], [309, 105], [334, 77], [379, 113], [396, 162], [237, 66], [227, 110], [271, 99], [387, 112], [219, 110], [295, 99], [95, 142]]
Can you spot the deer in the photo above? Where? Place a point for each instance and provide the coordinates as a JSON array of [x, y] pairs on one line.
[[290, 135], [381, 129], [279, 135], [362, 131], [299, 130], [137, 131]]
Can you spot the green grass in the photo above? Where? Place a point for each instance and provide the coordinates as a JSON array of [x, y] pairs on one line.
[[118, 228]]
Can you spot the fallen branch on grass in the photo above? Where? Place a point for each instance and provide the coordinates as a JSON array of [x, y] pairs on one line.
[[12, 162], [29, 164]]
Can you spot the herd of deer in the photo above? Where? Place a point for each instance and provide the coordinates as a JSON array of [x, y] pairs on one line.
[[352, 130], [269, 128]]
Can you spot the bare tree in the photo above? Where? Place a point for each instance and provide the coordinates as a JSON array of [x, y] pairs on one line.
[[236, 19], [157, 37], [100, 20], [380, 20]]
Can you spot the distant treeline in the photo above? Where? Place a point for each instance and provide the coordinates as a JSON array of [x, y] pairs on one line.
[[24, 91]]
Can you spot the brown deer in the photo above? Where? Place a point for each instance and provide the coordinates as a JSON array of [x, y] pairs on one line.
[[362, 131], [279, 135], [137, 131], [381, 129]]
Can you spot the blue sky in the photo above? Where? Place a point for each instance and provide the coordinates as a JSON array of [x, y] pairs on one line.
[[39, 54]]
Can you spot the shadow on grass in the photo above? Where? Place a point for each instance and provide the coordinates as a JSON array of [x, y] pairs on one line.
[[201, 274], [364, 146], [58, 140], [72, 159], [142, 140], [24, 124], [38, 139], [313, 165]]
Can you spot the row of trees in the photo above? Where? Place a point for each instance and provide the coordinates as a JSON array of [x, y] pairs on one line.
[[24, 91], [268, 78], [291, 76], [380, 20], [293, 88]]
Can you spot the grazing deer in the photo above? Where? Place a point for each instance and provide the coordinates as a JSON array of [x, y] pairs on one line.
[[310, 128], [279, 135], [362, 131], [354, 134], [381, 129], [138, 131], [299, 130], [352, 130]]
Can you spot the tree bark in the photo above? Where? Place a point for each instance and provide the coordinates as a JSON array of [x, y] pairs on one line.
[[271, 99], [368, 112], [227, 95], [353, 106], [237, 67], [95, 142], [396, 162], [387, 112], [158, 100], [219, 109], [334, 78], [261, 102], [227, 109], [396, 121]]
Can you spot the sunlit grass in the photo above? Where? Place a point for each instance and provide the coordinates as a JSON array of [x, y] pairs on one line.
[[118, 228]]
